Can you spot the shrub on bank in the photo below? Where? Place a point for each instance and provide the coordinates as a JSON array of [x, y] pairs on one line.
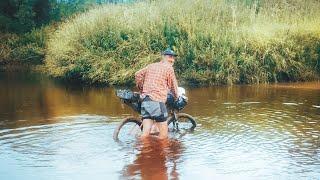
[[218, 42], [23, 49]]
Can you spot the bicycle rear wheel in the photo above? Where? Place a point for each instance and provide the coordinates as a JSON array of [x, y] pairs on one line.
[[129, 128], [185, 122]]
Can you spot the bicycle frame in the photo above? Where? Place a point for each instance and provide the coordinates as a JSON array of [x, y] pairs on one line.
[[174, 122], [136, 106], [173, 119]]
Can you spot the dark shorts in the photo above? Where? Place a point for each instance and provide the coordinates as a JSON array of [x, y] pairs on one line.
[[153, 110]]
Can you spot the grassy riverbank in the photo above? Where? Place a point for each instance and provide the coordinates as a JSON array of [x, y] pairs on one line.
[[218, 41], [23, 49]]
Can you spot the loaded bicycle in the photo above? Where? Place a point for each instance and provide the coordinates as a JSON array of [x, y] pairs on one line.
[[132, 126]]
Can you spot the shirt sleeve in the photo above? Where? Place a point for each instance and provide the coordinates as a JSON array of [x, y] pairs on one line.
[[139, 78], [173, 83]]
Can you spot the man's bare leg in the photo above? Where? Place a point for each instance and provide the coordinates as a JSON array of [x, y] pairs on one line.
[[147, 124], [163, 129]]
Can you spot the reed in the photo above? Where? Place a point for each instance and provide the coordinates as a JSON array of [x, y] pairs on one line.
[[218, 41]]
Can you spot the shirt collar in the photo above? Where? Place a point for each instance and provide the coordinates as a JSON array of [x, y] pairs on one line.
[[166, 62]]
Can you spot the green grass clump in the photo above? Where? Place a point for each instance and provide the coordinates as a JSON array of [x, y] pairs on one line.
[[23, 49], [218, 41]]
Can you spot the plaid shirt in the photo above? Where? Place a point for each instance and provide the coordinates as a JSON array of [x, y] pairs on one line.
[[156, 80]]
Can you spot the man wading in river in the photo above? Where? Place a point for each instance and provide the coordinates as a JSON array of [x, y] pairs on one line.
[[154, 82]]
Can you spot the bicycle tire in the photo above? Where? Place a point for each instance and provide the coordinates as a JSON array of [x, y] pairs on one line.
[[122, 123], [184, 115]]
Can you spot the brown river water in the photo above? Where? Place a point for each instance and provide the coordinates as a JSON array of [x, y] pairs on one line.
[[52, 130]]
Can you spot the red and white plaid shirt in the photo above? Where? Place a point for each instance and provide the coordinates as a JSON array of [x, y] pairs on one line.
[[156, 80]]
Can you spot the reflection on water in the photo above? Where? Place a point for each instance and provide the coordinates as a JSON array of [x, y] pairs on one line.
[[50, 130], [30, 97], [157, 159]]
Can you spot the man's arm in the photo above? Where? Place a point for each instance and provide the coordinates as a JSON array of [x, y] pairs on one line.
[[139, 78], [173, 83]]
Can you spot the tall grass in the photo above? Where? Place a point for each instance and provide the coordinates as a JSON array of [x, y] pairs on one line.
[[24, 49], [218, 41]]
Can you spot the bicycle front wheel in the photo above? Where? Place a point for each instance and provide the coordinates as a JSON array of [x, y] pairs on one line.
[[183, 122], [129, 128]]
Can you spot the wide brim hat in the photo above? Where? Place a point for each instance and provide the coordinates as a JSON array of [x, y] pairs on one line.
[[169, 52]]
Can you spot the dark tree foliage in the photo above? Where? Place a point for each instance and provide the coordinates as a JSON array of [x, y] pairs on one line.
[[16, 15], [21, 16]]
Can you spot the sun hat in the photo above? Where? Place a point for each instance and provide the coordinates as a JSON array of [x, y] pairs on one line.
[[169, 52]]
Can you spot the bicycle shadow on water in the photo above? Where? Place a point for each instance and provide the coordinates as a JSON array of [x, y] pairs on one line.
[[156, 159]]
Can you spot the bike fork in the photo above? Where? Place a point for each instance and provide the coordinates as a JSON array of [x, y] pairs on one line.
[[175, 122]]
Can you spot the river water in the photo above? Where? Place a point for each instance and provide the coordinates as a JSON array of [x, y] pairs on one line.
[[52, 130]]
